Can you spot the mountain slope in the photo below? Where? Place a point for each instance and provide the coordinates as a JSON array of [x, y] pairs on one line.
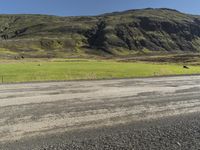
[[119, 33]]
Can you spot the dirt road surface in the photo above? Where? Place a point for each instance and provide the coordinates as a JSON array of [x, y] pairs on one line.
[[83, 114]]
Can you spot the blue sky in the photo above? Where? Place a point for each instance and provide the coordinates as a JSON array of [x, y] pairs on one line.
[[91, 7]]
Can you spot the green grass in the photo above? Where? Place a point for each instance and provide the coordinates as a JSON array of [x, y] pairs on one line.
[[78, 70]]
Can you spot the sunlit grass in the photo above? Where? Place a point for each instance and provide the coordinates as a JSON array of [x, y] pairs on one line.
[[86, 69]]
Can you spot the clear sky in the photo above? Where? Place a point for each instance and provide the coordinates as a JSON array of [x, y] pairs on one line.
[[91, 7]]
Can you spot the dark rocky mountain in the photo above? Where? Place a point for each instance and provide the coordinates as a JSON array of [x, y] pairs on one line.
[[119, 33]]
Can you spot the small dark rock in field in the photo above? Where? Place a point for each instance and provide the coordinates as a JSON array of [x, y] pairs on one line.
[[186, 67]]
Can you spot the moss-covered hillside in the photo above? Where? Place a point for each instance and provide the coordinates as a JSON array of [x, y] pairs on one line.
[[120, 34]]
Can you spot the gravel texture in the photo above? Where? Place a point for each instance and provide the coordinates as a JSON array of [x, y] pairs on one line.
[[148, 113], [171, 133]]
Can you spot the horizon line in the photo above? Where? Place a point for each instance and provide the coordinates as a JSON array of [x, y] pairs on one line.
[[105, 13]]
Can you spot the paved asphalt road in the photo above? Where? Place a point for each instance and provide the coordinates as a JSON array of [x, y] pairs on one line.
[[149, 113]]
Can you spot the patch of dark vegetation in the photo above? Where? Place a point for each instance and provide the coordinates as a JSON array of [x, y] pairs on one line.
[[50, 44], [165, 58]]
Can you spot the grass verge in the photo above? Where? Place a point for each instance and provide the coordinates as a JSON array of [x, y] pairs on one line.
[[82, 70]]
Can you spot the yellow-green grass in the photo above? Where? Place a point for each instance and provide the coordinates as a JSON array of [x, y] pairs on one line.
[[80, 70]]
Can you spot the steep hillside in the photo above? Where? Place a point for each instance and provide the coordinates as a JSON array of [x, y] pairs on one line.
[[120, 34]]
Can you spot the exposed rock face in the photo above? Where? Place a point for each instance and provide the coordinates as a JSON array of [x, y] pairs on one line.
[[150, 29], [159, 35], [147, 30], [96, 36]]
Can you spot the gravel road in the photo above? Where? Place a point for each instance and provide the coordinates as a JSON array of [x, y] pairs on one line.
[[148, 113]]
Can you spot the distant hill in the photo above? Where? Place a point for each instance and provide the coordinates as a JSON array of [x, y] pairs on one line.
[[120, 34]]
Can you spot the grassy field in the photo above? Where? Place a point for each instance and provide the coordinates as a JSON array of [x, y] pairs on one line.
[[26, 71]]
